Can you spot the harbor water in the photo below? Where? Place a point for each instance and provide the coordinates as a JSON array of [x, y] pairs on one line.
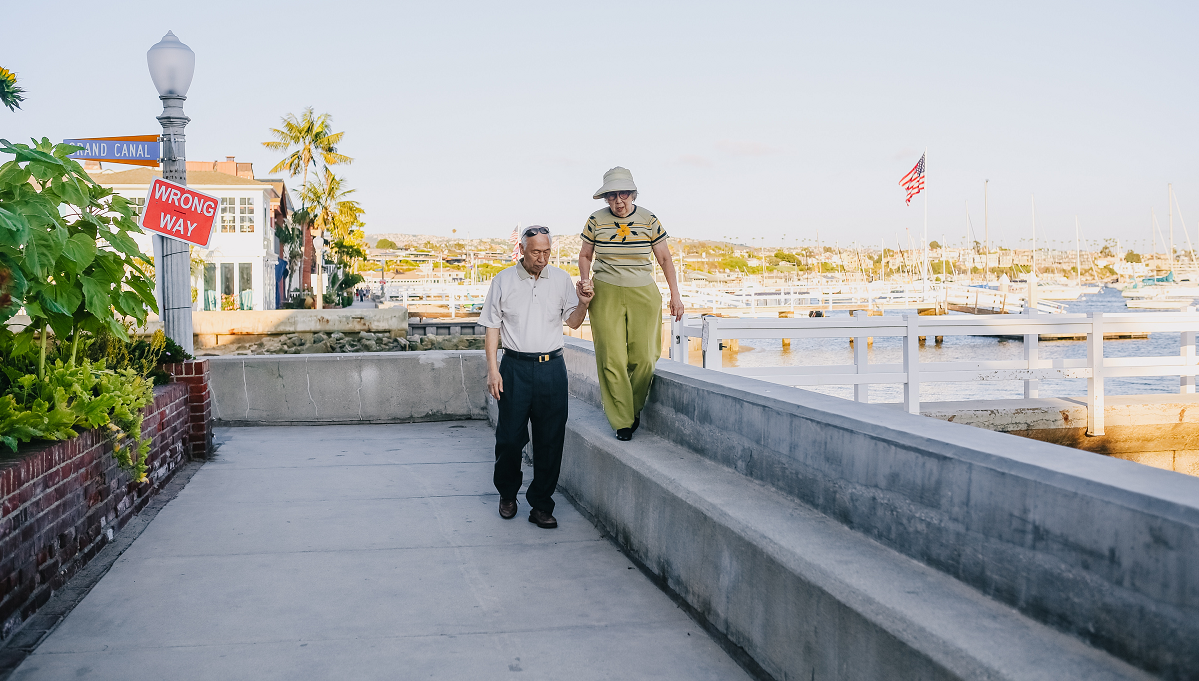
[[884, 350]]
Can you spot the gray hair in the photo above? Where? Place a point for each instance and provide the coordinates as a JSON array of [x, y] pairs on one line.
[[535, 229]]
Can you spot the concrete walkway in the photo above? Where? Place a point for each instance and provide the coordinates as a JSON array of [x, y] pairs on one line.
[[369, 552]]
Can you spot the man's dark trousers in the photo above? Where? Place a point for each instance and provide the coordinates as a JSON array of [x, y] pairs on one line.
[[533, 391]]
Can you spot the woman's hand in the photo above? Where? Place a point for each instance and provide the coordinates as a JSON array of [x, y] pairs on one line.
[[585, 293], [676, 307]]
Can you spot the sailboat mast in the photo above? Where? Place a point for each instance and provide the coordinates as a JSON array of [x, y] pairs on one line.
[[968, 248], [1034, 236], [987, 232], [1170, 201], [1077, 258]]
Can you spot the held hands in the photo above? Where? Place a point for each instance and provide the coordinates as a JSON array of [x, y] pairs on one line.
[[585, 290], [495, 384]]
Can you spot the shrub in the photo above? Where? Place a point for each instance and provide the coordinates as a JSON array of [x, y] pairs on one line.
[[67, 259]]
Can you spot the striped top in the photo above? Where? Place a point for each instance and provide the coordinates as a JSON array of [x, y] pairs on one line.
[[624, 246]]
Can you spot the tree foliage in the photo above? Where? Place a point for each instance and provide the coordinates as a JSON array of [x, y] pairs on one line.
[[310, 139], [325, 206]]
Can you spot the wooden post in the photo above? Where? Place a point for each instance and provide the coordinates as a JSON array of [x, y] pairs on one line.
[[1032, 387], [1095, 403], [1186, 384]]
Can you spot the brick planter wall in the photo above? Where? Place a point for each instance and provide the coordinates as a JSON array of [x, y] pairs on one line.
[[59, 505], [194, 374]]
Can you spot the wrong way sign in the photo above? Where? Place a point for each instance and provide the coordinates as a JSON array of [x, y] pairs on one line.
[[180, 213]]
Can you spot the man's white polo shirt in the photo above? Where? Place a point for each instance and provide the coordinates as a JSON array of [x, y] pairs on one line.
[[529, 312]]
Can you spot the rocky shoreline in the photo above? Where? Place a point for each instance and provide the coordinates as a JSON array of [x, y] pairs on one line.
[[365, 341]]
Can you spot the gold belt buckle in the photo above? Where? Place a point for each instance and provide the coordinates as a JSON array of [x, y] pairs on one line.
[[543, 358]]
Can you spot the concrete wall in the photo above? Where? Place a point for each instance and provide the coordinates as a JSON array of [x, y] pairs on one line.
[[1102, 549], [385, 387]]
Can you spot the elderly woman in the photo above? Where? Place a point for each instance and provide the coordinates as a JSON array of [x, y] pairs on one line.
[[621, 242]]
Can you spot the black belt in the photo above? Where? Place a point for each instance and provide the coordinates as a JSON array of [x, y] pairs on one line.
[[533, 356]]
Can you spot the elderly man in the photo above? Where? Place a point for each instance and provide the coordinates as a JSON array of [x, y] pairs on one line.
[[526, 306]]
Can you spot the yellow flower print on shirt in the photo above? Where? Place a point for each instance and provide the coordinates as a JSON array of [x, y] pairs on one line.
[[623, 230]]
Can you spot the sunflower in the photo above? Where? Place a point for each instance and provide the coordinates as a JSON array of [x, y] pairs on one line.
[[10, 94]]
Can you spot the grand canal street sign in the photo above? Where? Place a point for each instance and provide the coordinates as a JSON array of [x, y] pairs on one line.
[[177, 212], [138, 150]]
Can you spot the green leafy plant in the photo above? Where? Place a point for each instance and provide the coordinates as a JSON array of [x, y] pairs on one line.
[[66, 241], [67, 259]]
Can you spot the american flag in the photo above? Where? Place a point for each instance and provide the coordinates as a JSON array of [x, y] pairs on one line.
[[913, 182], [515, 239]]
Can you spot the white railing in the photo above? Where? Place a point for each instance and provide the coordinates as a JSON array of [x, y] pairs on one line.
[[911, 372], [452, 296]]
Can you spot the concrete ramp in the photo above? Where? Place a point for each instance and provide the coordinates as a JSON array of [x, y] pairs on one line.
[[831, 539]]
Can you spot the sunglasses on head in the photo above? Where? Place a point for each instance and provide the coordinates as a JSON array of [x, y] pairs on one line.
[[536, 230]]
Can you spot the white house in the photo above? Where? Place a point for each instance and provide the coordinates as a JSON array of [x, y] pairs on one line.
[[240, 263]]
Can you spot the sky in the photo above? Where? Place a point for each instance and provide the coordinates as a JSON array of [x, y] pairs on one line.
[[762, 123]]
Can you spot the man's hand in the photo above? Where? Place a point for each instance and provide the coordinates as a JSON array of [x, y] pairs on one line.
[[491, 348], [495, 383], [676, 307], [585, 293]]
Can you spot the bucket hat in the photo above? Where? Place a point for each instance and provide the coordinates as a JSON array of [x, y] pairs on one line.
[[616, 180]]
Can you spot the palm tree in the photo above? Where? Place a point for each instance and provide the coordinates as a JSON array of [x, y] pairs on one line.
[[331, 211], [313, 140]]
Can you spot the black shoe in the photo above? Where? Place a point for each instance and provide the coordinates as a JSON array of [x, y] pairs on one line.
[[624, 434], [636, 423], [542, 519], [507, 508]]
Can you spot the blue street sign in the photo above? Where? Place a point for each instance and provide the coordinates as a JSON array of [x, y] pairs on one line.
[[142, 150]]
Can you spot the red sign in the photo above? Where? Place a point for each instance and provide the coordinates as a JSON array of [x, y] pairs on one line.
[[180, 213]]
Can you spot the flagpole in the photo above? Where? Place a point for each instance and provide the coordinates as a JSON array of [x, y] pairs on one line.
[[925, 265]]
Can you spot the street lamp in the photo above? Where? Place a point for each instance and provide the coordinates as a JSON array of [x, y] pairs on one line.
[[171, 66], [318, 247]]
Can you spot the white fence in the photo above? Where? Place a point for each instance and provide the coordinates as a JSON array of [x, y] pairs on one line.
[[911, 372], [453, 296]]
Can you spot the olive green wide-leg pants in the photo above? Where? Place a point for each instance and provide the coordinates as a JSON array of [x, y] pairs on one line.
[[626, 327]]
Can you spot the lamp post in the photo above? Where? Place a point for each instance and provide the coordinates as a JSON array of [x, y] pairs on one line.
[[172, 65], [318, 247]]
